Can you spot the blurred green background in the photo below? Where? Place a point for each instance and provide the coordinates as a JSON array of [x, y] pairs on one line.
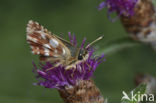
[[62, 16]]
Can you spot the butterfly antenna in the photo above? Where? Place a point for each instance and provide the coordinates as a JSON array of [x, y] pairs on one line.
[[99, 38], [52, 67]]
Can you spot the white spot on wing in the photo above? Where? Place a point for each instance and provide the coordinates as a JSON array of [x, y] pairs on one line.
[[38, 50], [43, 36], [46, 51], [47, 46], [29, 30], [30, 22], [29, 27], [46, 54], [54, 43], [37, 23], [31, 39], [63, 51]]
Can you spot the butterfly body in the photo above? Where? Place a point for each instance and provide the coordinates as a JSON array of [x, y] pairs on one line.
[[52, 48]]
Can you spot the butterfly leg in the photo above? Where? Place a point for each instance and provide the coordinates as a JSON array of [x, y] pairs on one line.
[[54, 66], [70, 67], [73, 67], [50, 69]]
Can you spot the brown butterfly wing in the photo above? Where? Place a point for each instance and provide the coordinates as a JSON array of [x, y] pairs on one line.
[[44, 44]]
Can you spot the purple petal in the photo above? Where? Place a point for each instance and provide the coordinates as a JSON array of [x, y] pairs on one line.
[[84, 40], [121, 7], [102, 5], [70, 37], [74, 40]]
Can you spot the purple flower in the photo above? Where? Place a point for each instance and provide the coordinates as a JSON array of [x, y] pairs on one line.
[[60, 78], [122, 7]]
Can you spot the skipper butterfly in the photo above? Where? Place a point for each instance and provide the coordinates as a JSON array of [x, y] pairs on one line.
[[54, 49]]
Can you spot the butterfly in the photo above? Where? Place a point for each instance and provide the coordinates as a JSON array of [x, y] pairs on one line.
[[52, 48]]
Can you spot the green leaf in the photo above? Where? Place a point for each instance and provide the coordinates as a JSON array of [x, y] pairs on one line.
[[141, 89], [116, 46]]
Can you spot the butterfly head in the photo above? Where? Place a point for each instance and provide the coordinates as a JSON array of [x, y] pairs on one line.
[[83, 54]]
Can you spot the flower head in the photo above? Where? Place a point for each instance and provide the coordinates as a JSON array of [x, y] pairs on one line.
[[122, 7], [60, 78]]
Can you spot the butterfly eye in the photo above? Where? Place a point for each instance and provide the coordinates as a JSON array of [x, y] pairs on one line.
[[80, 57]]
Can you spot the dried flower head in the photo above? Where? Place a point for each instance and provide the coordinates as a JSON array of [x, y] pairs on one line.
[[141, 26], [60, 78], [122, 7]]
